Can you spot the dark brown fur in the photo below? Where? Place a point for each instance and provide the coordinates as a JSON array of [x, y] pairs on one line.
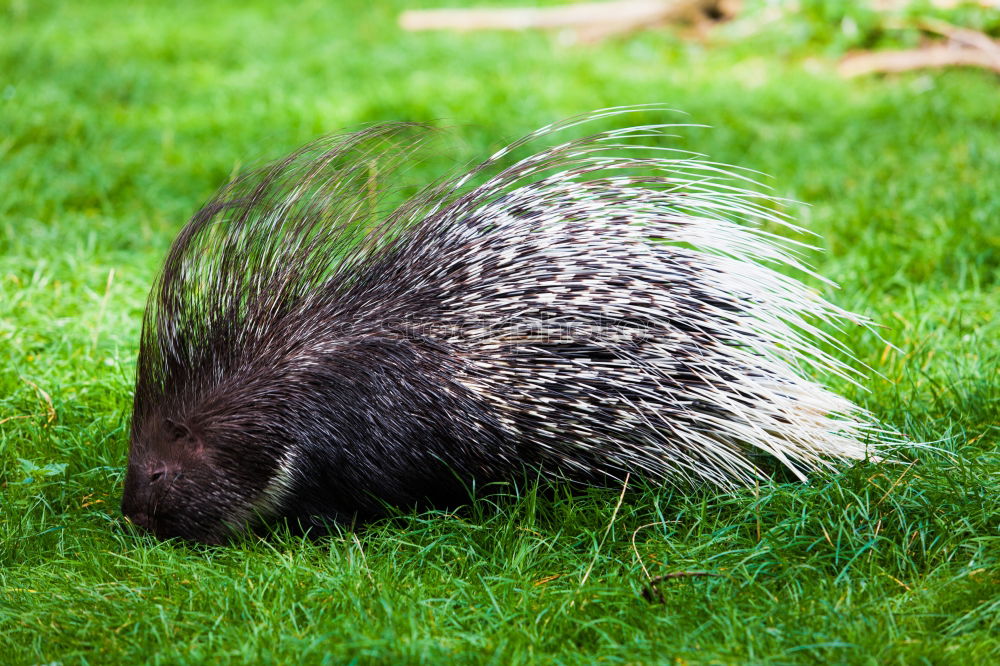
[[308, 357]]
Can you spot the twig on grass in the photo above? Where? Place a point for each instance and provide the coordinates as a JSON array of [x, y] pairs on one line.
[[653, 593], [635, 549]]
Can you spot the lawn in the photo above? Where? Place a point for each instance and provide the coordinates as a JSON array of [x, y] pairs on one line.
[[117, 121]]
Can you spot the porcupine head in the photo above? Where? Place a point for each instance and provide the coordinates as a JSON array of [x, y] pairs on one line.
[[318, 347]]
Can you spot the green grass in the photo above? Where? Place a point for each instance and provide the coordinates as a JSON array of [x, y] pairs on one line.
[[117, 121]]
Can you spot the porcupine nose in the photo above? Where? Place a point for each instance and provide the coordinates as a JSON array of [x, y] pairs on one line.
[[133, 508], [142, 487], [141, 518]]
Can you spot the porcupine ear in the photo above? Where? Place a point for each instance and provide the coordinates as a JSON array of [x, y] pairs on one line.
[[263, 243], [177, 430]]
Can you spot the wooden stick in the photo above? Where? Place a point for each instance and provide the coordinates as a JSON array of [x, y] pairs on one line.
[[893, 5], [962, 36], [931, 57], [579, 15]]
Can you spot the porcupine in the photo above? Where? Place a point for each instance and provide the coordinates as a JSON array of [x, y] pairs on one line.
[[601, 308]]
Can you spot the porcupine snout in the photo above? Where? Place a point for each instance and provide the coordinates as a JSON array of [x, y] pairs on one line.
[[145, 487], [148, 483], [172, 487]]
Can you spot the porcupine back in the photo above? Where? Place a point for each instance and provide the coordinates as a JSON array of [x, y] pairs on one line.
[[596, 309]]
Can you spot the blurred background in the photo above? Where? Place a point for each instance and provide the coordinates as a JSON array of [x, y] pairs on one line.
[[119, 119]]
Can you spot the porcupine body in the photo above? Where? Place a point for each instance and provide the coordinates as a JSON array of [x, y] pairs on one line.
[[594, 310]]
